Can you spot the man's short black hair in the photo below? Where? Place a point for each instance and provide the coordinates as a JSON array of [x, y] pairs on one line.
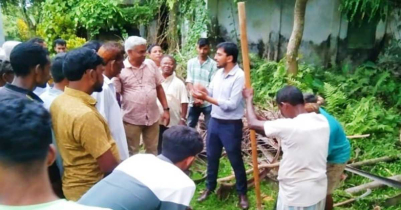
[[37, 40], [290, 94], [181, 142], [230, 49], [61, 42], [77, 61], [25, 131], [203, 42], [152, 46], [57, 68], [93, 45], [5, 68], [27, 55], [310, 98]]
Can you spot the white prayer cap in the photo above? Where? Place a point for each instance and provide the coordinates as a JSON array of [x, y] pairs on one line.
[[8, 46]]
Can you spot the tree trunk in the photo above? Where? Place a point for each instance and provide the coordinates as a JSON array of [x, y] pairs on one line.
[[296, 36], [172, 37]]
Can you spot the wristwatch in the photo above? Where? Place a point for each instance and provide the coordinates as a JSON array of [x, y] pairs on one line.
[[167, 109]]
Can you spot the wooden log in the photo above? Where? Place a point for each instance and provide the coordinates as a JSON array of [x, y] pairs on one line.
[[373, 161], [370, 185]]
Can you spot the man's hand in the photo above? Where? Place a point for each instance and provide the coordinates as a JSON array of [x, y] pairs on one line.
[[247, 93], [165, 118], [182, 122], [197, 102], [199, 95]]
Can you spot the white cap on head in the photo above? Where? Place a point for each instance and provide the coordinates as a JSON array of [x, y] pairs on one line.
[[133, 41], [8, 46]]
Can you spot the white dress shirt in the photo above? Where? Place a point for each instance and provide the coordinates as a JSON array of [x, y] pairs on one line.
[[108, 107]]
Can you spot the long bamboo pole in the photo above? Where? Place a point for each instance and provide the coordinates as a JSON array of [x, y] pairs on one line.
[[246, 66]]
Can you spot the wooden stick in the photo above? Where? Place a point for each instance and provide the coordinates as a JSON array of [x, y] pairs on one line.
[[246, 66], [262, 166], [358, 136], [353, 199], [373, 161], [370, 185]]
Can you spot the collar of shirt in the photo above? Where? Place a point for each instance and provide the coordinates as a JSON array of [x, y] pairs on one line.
[[232, 71], [29, 94], [162, 157], [169, 78], [128, 65], [55, 91], [206, 61], [106, 80], [81, 95]]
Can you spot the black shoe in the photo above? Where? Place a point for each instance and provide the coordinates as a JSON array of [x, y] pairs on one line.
[[204, 195]]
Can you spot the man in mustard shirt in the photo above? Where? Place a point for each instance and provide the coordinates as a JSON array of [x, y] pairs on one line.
[[82, 134]]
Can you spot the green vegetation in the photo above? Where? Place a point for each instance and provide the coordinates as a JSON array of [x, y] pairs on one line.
[[366, 100]]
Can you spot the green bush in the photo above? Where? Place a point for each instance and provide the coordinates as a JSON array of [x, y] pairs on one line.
[[367, 100]]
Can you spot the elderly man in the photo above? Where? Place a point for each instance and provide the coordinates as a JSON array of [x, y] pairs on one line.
[[176, 94], [140, 85], [113, 56]]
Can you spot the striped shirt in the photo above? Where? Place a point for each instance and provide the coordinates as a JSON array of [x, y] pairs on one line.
[[198, 73], [144, 182]]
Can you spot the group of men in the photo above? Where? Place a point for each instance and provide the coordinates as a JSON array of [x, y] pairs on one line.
[[106, 98]]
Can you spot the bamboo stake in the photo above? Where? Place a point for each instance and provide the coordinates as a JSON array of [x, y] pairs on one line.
[[246, 66]]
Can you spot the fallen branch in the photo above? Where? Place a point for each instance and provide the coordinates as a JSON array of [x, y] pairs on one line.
[[262, 166], [373, 161], [370, 185], [358, 136], [368, 191]]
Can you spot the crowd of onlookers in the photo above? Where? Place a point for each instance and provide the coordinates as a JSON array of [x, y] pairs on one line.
[[72, 127]]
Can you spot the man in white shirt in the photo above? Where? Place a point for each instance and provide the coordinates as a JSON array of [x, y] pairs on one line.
[[60, 81], [176, 94], [113, 56], [149, 182], [304, 141]]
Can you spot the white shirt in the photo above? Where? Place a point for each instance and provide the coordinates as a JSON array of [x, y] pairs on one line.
[[164, 179], [60, 204], [48, 97], [302, 174], [176, 94], [39, 90], [108, 107]]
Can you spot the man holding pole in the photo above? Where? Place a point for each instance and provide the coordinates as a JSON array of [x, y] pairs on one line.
[[225, 126], [304, 141]]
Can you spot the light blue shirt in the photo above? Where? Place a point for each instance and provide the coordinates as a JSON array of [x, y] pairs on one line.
[[339, 146], [227, 90]]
